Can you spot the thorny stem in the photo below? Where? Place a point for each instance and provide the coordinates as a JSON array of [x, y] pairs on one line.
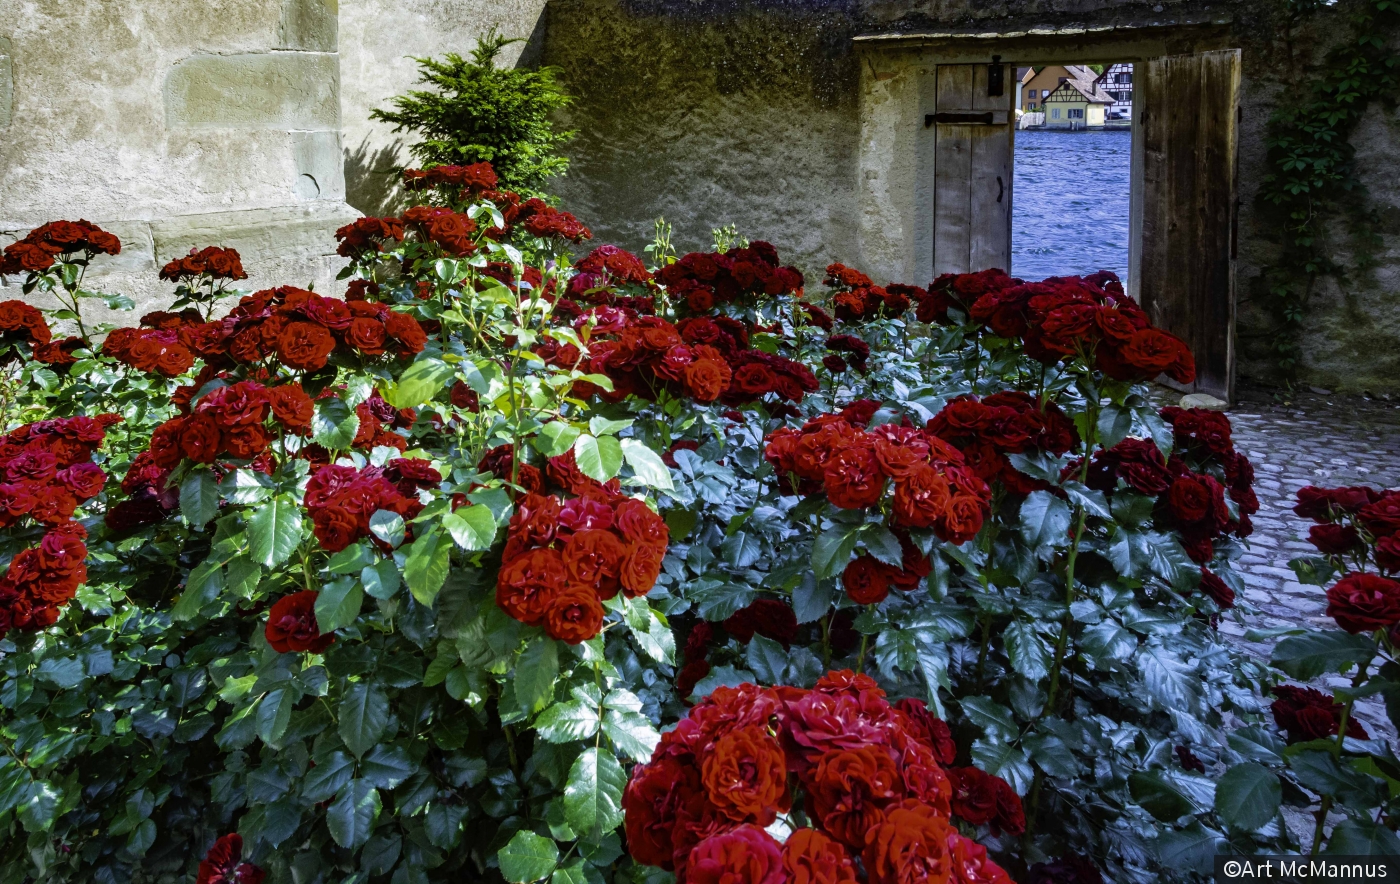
[[1326, 804]]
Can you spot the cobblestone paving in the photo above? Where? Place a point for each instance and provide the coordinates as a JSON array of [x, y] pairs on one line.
[[1311, 439]]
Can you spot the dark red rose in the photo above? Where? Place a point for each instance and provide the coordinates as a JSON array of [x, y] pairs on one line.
[[1325, 504], [867, 580], [921, 498], [745, 776], [744, 855], [223, 865], [1364, 602], [849, 790], [291, 625], [924, 727], [910, 846], [1334, 540], [304, 345], [1382, 517], [1217, 589], [575, 615], [974, 795], [853, 478], [769, 618], [1308, 714], [526, 587], [660, 798]]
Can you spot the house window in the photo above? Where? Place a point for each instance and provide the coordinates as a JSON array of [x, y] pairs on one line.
[[1033, 105], [1033, 93], [1055, 113], [1076, 112]]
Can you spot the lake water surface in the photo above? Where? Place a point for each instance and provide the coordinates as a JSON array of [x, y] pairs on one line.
[[1070, 214]]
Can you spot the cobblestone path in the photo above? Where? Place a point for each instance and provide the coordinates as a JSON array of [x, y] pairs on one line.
[[1314, 439]]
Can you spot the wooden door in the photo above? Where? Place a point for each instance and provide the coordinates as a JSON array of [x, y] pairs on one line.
[[974, 127], [1187, 118]]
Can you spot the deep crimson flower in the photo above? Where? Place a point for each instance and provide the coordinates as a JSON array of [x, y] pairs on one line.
[[909, 847], [867, 580], [1309, 714], [770, 618], [743, 855], [1334, 540], [223, 864], [932, 732], [1217, 589], [809, 857], [574, 615], [291, 624], [745, 776], [1364, 602]]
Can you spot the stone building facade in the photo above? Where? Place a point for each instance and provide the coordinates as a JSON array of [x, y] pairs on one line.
[[179, 123]]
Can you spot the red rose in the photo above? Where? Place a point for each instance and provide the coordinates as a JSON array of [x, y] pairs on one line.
[[849, 789], [1308, 714], [659, 796], [970, 864], [1364, 603], [964, 519], [909, 847], [1334, 540], [304, 345], [769, 618], [1388, 553], [366, 335], [335, 527], [853, 479], [221, 864], [1324, 504], [924, 727], [639, 524], [974, 795], [575, 615], [921, 497], [1217, 589], [867, 581], [593, 558], [407, 331], [201, 440], [292, 407], [745, 855], [1011, 816], [809, 857], [706, 379], [527, 587], [291, 624], [745, 776], [1383, 516], [640, 568]]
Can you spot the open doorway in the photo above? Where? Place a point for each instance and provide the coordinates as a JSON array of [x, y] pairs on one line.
[[1169, 232], [1073, 170]]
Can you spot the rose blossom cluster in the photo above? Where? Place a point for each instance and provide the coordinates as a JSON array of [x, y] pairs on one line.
[[301, 330], [1192, 485], [1356, 527], [223, 864], [231, 422], [698, 358], [870, 777], [38, 251], [47, 471], [564, 556], [858, 299], [214, 262], [835, 454], [1011, 422], [601, 273], [23, 324], [155, 346], [702, 281], [341, 499], [1066, 317]]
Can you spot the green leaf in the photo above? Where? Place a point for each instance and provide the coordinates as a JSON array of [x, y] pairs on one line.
[[1044, 523], [883, 545], [364, 714], [527, 857], [812, 598], [535, 671], [599, 459], [350, 818], [593, 794], [420, 382], [274, 714], [567, 722], [767, 659], [338, 604], [334, 424], [1248, 796], [1305, 657], [991, 716], [472, 527], [1114, 425], [426, 565], [630, 730], [647, 465], [1157, 796], [388, 526], [381, 580], [274, 531], [37, 809], [387, 766], [328, 777], [1027, 651], [833, 550], [199, 498], [1192, 849], [1361, 837], [556, 437]]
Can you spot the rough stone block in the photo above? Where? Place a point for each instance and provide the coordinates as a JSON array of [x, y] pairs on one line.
[[7, 83], [309, 25], [320, 166], [289, 234], [138, 254], [268, 90]]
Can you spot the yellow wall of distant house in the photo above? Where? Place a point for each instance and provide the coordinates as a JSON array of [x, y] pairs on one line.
[[1043, 83], [1094, 114]]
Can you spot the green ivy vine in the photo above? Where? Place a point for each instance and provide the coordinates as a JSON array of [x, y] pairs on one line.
[[1309, 158]]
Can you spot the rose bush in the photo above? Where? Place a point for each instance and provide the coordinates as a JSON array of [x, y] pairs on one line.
[[396, 585]]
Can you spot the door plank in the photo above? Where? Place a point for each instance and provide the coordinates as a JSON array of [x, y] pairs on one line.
[[972, 173]]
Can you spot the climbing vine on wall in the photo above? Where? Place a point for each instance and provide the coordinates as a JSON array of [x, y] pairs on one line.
[[1310, 157]]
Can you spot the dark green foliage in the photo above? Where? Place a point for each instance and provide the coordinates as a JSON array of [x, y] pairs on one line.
[[476, 112]]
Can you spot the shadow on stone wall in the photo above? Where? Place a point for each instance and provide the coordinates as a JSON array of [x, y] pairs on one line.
[[372, 178]]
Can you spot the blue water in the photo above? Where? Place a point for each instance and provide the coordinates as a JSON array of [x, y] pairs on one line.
[[1070, 214]]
